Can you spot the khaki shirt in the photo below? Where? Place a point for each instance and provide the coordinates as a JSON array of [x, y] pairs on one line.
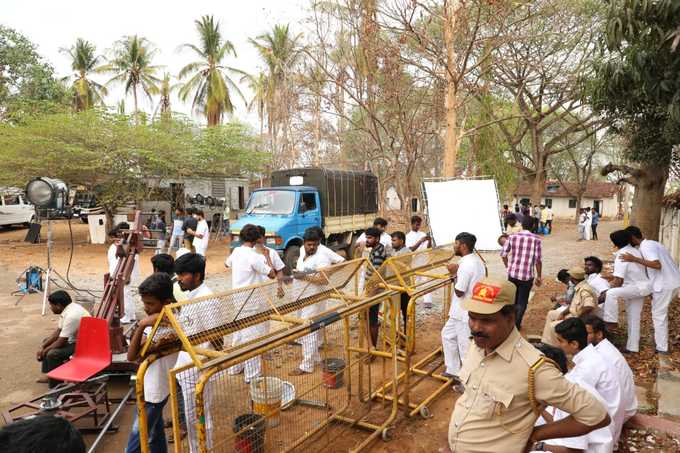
[[494, 414], [584, 296]]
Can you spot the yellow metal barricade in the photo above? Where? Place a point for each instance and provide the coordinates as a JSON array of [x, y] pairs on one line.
[[260, 326], [416, 274]]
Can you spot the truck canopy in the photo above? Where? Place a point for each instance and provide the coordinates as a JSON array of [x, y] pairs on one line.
[[342, 193]]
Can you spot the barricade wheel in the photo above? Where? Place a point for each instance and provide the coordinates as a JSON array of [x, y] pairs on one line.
[[387, 434], [425, 412]]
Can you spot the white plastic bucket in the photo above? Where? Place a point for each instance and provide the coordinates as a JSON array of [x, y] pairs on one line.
[[267, 393]]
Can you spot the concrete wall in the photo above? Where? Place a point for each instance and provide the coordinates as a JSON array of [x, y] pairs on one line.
[[560, 206]]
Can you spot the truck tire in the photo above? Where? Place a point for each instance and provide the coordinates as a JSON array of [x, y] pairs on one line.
[[290, 257]]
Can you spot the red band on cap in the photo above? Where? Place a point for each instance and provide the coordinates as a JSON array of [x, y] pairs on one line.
[[485, 293]]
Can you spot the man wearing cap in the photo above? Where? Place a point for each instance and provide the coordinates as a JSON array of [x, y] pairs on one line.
[[507, 382], [583, 303]]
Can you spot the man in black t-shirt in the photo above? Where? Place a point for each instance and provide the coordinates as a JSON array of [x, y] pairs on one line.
[[190, 222]]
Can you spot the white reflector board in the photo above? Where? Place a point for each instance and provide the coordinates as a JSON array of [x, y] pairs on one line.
[[464, 205]]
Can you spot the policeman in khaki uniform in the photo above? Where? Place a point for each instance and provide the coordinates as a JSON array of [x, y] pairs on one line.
[[507, 383], [584, 302]]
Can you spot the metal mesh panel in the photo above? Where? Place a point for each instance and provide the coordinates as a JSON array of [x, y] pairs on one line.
[[208, 323]]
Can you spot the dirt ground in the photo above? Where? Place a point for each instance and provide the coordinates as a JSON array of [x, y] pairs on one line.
[[22, 327]]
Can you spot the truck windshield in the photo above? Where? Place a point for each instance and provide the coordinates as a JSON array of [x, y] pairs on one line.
[[271, 202]]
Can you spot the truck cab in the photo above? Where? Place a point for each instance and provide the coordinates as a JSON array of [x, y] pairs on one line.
[[285, 213], [342, 203]]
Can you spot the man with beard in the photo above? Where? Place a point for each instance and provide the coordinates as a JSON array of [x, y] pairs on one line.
[[466, 273], [507, 381]]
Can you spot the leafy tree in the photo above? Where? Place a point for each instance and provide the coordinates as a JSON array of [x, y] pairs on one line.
[[165, 89], [638, 89], [132, 67], [27, 83], [86, 92], [209, 79], [118, 157]]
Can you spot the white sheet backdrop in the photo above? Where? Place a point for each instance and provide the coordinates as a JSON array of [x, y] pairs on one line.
[[464, 205]]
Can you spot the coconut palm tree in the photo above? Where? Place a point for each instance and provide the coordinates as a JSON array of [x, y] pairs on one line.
[[280, 52], [208, 77], [165, 89], [84, 61], [132, 67], [258, 85]]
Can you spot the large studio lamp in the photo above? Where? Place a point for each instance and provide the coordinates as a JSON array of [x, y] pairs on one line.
[[47, 193]]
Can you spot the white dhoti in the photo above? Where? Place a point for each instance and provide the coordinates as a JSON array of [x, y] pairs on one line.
[[633, 296], [455, 343], [187, 380], [661, 300], [252, 367], [310, 342]]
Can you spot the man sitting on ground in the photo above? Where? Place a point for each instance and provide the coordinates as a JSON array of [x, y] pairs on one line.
[[593, 267], [60, 346], [563, 299], [590, 367], [598, 441], [597, 336], [583, 302]]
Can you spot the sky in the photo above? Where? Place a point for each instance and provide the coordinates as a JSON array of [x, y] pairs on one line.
[[53, 25]]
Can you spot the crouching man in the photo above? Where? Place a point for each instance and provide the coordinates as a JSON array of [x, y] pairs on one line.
[[60, 346]]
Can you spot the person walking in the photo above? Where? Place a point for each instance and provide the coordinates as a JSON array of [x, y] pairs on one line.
[[498, 409], [190, 223], [665, 279], [593, 224], [588, 225], [582, 217], [201, 234], [177, 235], [521, 256], [549, 218]]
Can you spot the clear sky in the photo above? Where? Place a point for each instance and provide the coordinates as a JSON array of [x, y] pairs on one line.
[[52, 25]]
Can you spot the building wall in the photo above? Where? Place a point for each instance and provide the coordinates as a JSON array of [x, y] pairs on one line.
[[560, 206]]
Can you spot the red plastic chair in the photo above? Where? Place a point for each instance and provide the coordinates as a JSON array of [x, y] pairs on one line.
[[92, 355]]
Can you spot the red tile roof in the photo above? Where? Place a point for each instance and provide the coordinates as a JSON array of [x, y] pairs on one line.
[[594, 190]]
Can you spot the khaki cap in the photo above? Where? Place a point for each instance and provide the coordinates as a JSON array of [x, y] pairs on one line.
[[489, 295], [577, 272]]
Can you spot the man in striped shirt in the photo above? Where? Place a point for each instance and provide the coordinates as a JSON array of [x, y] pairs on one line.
[[521, 254], [377, 257]]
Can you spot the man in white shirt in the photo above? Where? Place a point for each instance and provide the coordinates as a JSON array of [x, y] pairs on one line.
[[156, 292], [466, 273], [588, 233], [60, 346], [665, 280], [113, 255], [194, 318], [418, 240], [591, 368], [631, 284], [593, 267], [313, 260], [247, 269], [597, 441], [202, 233], [177, 235], [582, 218], [548, 218], [597, 336]]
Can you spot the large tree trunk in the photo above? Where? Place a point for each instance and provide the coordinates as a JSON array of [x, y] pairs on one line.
[[451, 141], [647, 201], [650, 182]]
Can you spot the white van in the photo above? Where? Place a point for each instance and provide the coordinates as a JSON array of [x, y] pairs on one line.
[[14, 208]]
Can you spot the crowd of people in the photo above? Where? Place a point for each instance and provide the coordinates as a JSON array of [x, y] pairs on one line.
[[513, 393]]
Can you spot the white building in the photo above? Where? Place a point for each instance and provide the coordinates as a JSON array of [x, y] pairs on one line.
[[603, 196]]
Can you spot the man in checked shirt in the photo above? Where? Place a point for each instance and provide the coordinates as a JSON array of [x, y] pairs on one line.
[[521, 254]]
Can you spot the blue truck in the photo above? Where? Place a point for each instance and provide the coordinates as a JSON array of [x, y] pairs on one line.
[[343, 203]]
